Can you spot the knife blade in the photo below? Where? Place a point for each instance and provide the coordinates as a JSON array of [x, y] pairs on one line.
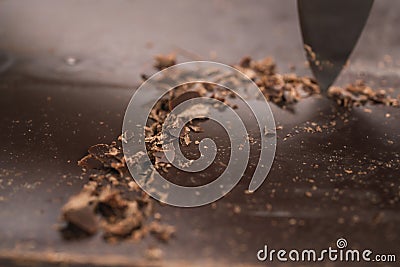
[[330, 31]]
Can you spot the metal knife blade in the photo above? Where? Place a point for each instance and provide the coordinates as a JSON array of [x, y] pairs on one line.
[[330, 30]]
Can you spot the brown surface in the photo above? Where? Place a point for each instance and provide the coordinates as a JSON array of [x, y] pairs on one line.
[[47, 124]]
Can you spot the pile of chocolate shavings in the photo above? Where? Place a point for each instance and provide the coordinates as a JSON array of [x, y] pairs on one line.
[[359, 94], [166, 104], [281, 89], [287, 89], [111, 202], [159, 113]]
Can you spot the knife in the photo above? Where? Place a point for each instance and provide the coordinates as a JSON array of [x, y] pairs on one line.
[[330, 30]]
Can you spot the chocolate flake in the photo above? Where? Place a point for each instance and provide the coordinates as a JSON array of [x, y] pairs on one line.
[[164, 61]]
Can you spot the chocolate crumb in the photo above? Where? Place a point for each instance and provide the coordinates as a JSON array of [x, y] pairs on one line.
[[164, 61]]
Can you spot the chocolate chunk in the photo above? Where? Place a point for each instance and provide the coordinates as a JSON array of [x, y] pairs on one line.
[[164, 61], [80, 211], [161, 231], [132, 219]]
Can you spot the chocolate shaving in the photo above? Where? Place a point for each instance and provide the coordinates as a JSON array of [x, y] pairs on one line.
[[164, 61]]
